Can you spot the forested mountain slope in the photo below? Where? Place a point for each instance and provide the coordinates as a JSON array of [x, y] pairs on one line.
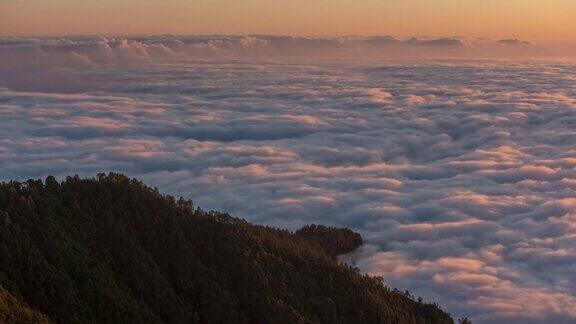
[[13, 311], [112, 250]]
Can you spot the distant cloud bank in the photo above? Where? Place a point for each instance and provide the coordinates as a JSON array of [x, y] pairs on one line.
[[82, 51]]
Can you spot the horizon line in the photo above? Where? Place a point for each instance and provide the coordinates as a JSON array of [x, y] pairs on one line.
[[279, 35]]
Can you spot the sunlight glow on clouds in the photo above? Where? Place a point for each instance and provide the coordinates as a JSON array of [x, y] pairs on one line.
[[19, 54], [460, 174]]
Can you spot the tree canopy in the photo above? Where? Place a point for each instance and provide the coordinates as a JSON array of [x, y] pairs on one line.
[[112, 250]]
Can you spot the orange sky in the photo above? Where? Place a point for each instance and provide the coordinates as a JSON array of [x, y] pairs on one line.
[[528, 19]]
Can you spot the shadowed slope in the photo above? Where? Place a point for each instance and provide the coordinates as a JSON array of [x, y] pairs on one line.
[[13, 311], [111, 250]]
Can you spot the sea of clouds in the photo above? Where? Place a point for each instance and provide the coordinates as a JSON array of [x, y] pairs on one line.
[[460, 174]]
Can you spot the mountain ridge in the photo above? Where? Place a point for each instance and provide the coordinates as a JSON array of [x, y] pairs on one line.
[[112, 250]]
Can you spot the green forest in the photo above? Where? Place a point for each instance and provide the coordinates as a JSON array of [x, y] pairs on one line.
[[110, 249]]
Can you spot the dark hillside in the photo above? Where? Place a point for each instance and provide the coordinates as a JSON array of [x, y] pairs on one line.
[[111, 250], [13, 311], [335, 241]]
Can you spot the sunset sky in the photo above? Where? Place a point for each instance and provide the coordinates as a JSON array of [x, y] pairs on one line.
[[528, 19]]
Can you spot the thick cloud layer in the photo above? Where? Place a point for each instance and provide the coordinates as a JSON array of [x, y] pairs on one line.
[[460, 175], [88, 51]]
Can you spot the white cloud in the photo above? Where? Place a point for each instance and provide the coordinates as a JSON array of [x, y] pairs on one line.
[[88, 51], [460, 175]]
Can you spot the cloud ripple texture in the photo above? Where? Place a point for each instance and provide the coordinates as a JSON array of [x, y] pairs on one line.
[[460, 174]]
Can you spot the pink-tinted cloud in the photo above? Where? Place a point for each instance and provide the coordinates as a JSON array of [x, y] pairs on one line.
[[459, 174]]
